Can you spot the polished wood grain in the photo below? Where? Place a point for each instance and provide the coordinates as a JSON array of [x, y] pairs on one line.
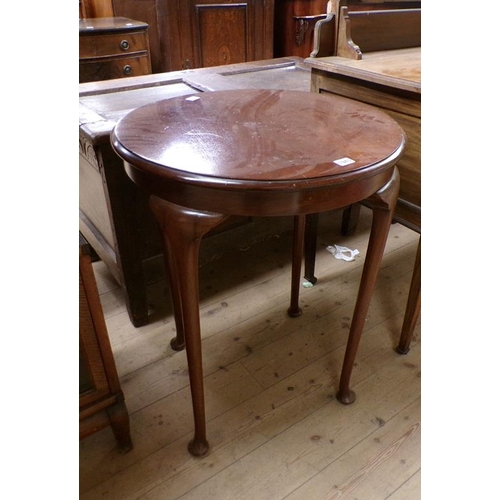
[[242, 139], [205, 157]]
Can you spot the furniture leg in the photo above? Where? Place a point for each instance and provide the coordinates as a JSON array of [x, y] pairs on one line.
[[120, 424], [124, 201], [384, 204], [412, 308], [350, 218], [310, 243], [183, 230], [179, 341], [299, 222]]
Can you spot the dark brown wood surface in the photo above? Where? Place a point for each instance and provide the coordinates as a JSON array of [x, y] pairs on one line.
[[251, 152], [193, 139]]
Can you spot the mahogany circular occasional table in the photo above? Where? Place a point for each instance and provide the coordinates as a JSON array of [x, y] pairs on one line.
[[258, 153]]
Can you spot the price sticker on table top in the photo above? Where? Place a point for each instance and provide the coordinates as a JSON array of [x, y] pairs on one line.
[[344, 161]]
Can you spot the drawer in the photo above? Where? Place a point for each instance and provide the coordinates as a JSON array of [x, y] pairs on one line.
[[92, 46], [97, 70]]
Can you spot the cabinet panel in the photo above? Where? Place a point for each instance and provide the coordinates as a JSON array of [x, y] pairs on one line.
[[223, 32]]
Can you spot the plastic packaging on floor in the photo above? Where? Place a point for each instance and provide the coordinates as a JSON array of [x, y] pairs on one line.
[[342, 253]]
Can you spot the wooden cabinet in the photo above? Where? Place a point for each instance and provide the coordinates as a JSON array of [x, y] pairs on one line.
[[226, 32], [202, 33], [113, 47], [101, 398]]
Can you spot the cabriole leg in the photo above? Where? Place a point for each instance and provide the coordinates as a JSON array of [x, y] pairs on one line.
[[182, 231], [383, 204]]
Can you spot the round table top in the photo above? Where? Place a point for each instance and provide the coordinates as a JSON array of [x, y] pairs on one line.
[[257, 136]]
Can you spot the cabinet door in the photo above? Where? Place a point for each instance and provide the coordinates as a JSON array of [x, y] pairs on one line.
[[223, 33], [226, 32]]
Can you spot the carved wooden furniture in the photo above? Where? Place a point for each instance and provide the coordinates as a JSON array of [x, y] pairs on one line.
[[253, 153], [378, 62], [101, 398], [114, 214], [113, 47]]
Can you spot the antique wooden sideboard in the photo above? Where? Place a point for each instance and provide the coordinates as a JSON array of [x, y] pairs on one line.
[[114, 214]]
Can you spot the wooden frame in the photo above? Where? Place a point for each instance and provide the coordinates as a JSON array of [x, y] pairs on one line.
[[101, 399]]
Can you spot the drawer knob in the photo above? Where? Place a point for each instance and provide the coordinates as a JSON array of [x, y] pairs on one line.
[[124, 45], [127, 69]]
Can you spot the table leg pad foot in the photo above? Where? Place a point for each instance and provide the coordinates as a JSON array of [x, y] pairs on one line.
[[177, 345], [198, 448], [294, 312], [346, 397], [401, 350]]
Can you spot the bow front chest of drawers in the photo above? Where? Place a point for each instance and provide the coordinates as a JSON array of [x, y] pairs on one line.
[[113, 47]]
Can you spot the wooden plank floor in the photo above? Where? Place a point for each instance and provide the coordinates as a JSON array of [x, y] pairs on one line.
[[274, 426]]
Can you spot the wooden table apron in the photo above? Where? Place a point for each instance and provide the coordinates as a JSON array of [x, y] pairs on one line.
[[258, 153]]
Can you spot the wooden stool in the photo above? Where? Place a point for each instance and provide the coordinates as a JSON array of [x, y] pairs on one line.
[[258, 153]]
